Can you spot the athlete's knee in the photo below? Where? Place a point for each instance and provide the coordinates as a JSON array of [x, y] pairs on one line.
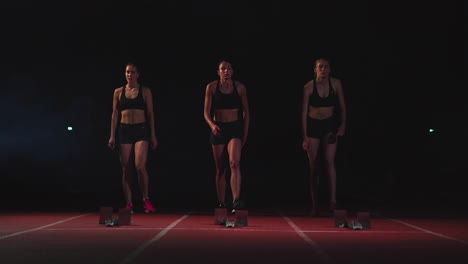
[[234, 164], [126, 173], [220, 171], [220, 167], [140, 167], [312, 160], [329, 162], [125, 167]]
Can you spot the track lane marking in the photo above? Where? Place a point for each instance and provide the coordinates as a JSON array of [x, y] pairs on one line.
[[140, 249], [429, 232], [315, 246], [42, 227], [232, 230]]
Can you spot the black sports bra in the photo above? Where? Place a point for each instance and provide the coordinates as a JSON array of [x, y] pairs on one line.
[[135, 103], [316, 100], [226, 101]]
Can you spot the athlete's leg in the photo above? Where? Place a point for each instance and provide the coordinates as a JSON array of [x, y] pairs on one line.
[[329, 154], [141, 157], [125, 152], [312, 151], [220, 158], [234, 150]]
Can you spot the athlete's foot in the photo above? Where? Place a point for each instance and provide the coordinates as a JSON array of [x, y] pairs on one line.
[[237, 205], [313, 212], [220, 205], [129, 206], [148, 206]]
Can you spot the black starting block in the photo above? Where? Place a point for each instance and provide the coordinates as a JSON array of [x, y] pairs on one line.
[[220, 216], [105, 217], [340, 218], [242, 218], [364, 219], [111, 222], [104, 214], [125, 216], [230, 223], [355, 225]]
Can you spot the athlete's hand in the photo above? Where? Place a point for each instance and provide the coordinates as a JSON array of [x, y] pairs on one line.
[[305, 144], [154, 143], [111, 143], [341, 131], [216, 130]]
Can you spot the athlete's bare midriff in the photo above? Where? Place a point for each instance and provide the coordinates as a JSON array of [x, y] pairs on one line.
[[320, 113], [133, 116], [226, 115]]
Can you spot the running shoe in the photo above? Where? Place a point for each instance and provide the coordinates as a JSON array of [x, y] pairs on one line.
[[129, 206], [149, 208], [237, 205]]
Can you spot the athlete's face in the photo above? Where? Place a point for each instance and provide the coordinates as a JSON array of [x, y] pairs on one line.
[[322, 69], [225, 70], [131, 73]]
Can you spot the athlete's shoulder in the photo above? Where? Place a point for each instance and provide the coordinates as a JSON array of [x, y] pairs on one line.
[[309, 84], [239, 84], [336, 82], [211, 86], [118, 90]]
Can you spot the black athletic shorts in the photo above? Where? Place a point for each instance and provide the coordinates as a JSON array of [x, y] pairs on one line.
[[228, 131], [131, 133], [318, 128]]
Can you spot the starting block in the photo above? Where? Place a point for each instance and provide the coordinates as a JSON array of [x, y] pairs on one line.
[[230, 223], [364, 219], [340, 218], [112, 222], [220, 217], [355, 225], [104, 214], [125, 216], [242, 218], [105, 217]]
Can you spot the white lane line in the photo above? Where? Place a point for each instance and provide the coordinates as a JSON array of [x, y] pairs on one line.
[[137, 251], [363, 232], [315, 246], [429, 232], [346, 231], [42, 227]]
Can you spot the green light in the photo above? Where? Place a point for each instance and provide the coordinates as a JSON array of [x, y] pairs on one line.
[[70, 128], [431, 130]]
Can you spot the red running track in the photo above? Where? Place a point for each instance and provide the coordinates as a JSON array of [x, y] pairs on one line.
[[184, 237]]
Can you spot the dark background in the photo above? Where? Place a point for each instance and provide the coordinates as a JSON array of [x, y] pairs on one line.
[[402, 66]]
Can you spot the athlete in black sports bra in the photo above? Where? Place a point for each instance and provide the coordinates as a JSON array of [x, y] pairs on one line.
[[133, 112], [226, 111], [322, 96]]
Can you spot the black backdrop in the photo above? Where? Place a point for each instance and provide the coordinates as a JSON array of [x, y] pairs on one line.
[[402, 68]]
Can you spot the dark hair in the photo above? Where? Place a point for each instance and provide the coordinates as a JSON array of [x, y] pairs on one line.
[[134, 64], [322, 58], [223, 60]]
